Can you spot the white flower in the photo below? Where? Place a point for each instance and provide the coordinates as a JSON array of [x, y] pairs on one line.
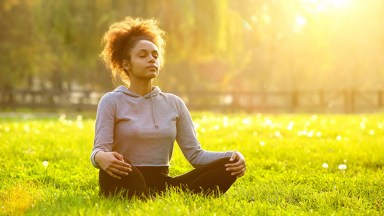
[[372, 132], [79, 118], [45, 164], [338, 138], [325, 165], [277, 134], [246, 121], [342, 167]]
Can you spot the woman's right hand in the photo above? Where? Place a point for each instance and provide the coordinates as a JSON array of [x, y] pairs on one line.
[[113, 163]]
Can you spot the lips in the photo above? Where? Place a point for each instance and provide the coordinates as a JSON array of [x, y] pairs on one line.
[[152, 67]]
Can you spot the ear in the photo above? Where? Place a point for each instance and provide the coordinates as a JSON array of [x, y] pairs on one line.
[[126, 65]]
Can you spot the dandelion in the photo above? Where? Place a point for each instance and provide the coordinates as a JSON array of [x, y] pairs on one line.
[[302, 132], [310, 134], [27, 129], [79, 122], [325, 165], [68, 122], [372, 132], [342, 167], [216, 127], [246, 121], [62, 117], [80, 125], [45, 164], [79, 118], [225, 121], [268, 122], [362, 125], [290, 125], [318, 134], [338, 137], [277, 134], [262, 143]]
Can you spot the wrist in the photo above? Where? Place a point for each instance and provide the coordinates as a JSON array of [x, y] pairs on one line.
[[97, 156]]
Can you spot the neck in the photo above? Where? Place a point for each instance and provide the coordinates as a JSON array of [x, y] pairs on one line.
[[141, 88]]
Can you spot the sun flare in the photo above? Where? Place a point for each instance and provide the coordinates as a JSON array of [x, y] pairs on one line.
[[325, 5]]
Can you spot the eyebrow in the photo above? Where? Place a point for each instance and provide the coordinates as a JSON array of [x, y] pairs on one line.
[[145, 50]]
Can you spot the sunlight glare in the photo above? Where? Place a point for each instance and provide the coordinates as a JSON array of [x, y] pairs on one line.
[[340, 3], [326, 5], [300, 23]]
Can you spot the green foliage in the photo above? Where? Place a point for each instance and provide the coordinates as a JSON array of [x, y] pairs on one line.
[[221, 45], [293, 167]]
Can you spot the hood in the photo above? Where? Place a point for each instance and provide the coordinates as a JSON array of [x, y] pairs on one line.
[[156, 90]]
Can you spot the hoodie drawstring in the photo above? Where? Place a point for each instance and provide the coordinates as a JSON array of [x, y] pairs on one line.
[[153, 112]]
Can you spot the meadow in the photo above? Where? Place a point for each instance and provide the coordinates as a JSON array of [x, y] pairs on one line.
[[297, 164]]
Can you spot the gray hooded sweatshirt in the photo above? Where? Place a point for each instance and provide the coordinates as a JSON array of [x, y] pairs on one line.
[[144, 128]]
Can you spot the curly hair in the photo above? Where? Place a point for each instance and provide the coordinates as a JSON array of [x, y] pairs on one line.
[[122, 36]]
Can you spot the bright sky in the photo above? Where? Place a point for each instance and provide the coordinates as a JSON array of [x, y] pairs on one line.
[[324, 5]]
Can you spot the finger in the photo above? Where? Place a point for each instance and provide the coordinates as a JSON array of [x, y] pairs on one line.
[[123, 164], [241, 175], [237, 163], [113, 175], [233, 164], [122, 168], [235, 169], [241, 172], [233, 156], [119, 172], [118, 156]]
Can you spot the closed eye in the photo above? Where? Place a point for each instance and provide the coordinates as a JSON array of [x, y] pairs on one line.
[[155, 55]]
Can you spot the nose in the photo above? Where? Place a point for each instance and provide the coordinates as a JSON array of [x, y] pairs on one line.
[[151, 58]]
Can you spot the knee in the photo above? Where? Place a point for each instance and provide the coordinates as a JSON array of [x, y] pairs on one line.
[[222, 161]]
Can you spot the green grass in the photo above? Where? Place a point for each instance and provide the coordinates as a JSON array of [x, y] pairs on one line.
[[285, 175]]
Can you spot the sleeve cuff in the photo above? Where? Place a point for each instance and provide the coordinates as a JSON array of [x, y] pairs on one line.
[[96, 165]]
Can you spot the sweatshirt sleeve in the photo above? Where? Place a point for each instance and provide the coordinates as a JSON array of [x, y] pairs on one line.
[[104, 126], [187, 139]]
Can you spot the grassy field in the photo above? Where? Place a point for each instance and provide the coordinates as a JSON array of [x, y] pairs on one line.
[[296, 165]]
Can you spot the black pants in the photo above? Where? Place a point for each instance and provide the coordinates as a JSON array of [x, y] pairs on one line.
[[209, 179]]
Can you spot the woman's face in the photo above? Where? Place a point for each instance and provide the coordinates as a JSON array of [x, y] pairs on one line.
[[144, 62]]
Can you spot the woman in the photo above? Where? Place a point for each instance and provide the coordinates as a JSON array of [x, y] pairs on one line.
[[137, 124]]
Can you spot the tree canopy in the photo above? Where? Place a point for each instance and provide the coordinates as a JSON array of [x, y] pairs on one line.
[[247, 45]]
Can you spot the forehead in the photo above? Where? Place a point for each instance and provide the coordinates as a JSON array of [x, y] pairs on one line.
[[145, 45]]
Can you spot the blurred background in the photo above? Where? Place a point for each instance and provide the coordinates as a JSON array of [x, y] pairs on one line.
[[256, 55]]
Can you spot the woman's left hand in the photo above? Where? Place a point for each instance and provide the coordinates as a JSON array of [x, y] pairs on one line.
[[236, 164]]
